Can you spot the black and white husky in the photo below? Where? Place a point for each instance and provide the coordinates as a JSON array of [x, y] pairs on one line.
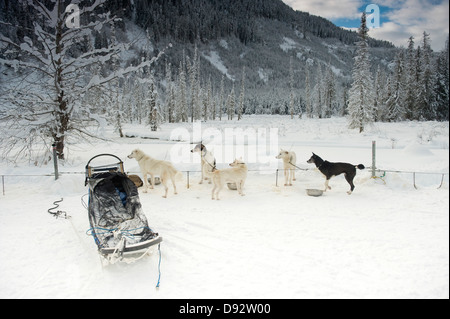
[[334, 169], [208, 162]]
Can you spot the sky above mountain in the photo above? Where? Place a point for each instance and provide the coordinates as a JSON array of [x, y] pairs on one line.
[[398, 20]]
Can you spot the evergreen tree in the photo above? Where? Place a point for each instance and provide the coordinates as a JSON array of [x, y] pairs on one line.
[[410, 80], [241, 95], [441, 87], [318, 93], [221, 97], [425, 83], [360, 105], [291, 87], [329, 92], [380, 95], [308, 95], [395, 103], [182, 109], [231, 103]]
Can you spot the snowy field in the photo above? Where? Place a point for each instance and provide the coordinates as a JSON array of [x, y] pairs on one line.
[[387, 240]]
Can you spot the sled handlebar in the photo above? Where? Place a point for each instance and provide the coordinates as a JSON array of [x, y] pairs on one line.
[[104, 168]]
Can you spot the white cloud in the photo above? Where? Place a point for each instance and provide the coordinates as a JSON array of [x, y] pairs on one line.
[[404, 18], [328, 9], [412, 18]]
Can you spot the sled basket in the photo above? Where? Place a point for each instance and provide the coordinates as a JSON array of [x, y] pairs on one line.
[[118, 224]]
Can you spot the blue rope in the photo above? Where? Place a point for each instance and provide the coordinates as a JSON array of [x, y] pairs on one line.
[[159, 266]]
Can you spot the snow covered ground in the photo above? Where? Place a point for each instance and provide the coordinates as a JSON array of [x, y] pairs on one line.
[[386, 240]]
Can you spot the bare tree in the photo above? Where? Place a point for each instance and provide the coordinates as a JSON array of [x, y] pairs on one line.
[[54, 72]]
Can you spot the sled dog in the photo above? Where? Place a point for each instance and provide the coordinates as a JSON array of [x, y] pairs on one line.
[[237, 173], [151, 166], [334, 169], [208, 162], [289, 160]]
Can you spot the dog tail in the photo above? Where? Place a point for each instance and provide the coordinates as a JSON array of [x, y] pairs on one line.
[[360, 166]]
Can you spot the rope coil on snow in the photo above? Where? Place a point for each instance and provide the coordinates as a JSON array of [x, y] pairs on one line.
[[58, 213]]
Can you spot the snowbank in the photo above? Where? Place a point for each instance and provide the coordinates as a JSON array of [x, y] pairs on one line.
[[386, 240]]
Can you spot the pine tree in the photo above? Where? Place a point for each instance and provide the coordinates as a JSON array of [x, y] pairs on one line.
[[410, 80], [182, 113], [318, 93], [425, 83], [380, 95], [291, 86], [395, 103], [308, 94], [329, 92], [360, 105], [441, 87], [231, 103], [221, 97], [241, 95]]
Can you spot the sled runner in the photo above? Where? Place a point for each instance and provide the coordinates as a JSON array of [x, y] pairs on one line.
[[118, 224]]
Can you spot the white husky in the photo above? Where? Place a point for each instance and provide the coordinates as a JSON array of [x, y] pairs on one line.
[[208, 162], [289, 160], [163, 169], [236, 174]]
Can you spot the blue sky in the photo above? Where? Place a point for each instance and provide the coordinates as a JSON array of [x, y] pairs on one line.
[[398, 19]]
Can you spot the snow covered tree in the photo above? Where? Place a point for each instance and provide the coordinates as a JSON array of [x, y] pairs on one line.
[[53, 62], [181, 97], [425, 81], [318, 91], [441, 86], [329, 92], [396, 101], [170, 95], [410, 80], [308, 94], [360, 106], [221, 97], [380, 95], [231, 104], [291, 87], [241, 95], [152, 108]]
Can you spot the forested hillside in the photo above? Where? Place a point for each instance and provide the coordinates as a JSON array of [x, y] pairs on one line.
[[185, 60]]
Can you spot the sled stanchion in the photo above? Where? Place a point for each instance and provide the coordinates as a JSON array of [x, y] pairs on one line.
[[276, 178]]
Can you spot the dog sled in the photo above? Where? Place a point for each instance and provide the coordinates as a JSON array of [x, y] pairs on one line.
[[118, 224]]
